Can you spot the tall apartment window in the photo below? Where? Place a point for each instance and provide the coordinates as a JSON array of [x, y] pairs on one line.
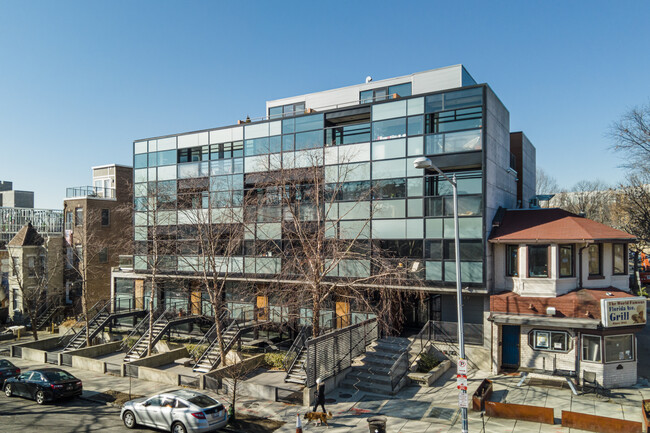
[[620, 259], [69, 220], [106, 217], [538, 261], [16, 296], [512, 260], [591, 348], [595, 262], [103, 255], [79, 216], [566, 260], [619, 348], [31, 266]]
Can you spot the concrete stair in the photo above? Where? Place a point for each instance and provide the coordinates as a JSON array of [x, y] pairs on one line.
[[297, 372], [371, 373], [211, 357], [93, 327]]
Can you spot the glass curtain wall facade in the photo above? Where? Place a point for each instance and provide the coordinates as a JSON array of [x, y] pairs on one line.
[[410, 212]]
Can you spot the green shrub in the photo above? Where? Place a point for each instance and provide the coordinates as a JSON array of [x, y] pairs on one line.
[[427, 363], [274, 359], [202, 347]]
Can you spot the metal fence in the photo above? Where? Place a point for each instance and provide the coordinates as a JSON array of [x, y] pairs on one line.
[[66, 359], [215, 385], [332, 353], [190, 381], [131, 370], [16, 351], [114, 369], [290, 396], [448, 332], [52, 357]]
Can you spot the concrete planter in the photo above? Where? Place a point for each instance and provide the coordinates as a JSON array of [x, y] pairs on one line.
[[482, 394], [428, 379]]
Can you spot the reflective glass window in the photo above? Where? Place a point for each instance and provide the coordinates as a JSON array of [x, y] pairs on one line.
[[538, 261], [391, 188], [619, 348], [389, 149], [512, 260], [389, 110], [167, 157], [140, 161], [402, 90], [307, 123], [415, 125], [566, 260], [595, 262], [620, 261], [387, 129], [388, 169], [309, 140]]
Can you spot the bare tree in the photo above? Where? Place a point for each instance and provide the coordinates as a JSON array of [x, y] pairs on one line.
[[37, 271], [594, 199], [546, 184], [323, 242], [214, 253], [156, 204], [633, 208], [631, 137]]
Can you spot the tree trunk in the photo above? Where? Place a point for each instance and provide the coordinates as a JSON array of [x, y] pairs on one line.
[[315, 320], [33, 318], [151, 313], [84, 307]]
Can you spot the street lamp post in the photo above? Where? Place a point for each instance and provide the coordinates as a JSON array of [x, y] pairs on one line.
[[425, 163]]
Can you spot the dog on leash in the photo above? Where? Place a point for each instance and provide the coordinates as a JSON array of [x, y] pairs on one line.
[[318, 417]]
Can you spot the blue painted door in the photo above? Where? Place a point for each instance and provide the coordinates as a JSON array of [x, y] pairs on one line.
[[510, 346]]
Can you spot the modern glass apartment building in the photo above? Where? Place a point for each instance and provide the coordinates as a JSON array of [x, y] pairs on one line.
[[366, 138]]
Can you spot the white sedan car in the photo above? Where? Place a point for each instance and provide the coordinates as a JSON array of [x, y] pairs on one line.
[[181, 411]]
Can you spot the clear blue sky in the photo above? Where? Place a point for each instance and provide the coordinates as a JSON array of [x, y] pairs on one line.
[[80, 80]]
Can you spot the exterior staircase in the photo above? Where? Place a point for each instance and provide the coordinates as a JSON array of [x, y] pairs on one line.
[[47, 315], [294, 361], [92, 328], [211, 358], [376, 372], [165, 321], [296, 373]]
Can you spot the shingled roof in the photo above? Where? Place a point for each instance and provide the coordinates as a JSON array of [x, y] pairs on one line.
[[27, 236], [543, 225]]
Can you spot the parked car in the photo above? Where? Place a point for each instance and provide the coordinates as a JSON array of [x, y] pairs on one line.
[[43, 385], [7, 370], [180, 411]]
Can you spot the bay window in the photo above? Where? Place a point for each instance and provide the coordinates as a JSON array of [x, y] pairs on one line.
[[619, 254], [591, 348], [619, 348], [538, 261]]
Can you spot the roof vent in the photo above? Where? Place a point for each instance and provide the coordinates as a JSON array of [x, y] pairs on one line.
[[368, 79]]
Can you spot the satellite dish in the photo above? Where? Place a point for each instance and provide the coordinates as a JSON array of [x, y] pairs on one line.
[[368, 79]]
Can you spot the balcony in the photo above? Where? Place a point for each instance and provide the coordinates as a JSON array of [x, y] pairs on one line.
[[126, 262], [90, 192]]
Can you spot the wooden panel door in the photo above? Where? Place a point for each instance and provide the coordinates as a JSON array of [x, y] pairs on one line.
[[139, 294], [262, 308], [342, 314], [195, 303]]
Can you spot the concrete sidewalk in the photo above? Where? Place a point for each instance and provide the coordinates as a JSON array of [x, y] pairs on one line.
[[413, 409]]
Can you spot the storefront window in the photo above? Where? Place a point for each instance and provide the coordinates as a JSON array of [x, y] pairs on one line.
[[619, 348], [538, 261], [557, 341], [591, 348]]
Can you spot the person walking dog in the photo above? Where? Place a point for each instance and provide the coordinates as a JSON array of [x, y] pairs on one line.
[[320, 395]]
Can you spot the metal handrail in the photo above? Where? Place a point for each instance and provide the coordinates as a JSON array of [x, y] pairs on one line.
[[374, 325], [162, 316], [297, 346], [426, 329], [144, 323], [80, 320], [102, 306], [206, 354], [208, 337]]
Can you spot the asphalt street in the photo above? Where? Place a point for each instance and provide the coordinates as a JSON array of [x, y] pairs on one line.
[[18, 414]]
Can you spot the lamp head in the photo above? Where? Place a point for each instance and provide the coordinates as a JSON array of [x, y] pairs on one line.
[[422, 163]]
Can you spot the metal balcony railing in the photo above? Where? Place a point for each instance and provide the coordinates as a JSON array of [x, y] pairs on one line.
[[90, 191]]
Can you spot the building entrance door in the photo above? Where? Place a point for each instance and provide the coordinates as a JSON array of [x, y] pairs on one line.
[[262, 308], [510, 346], [342, 314]]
